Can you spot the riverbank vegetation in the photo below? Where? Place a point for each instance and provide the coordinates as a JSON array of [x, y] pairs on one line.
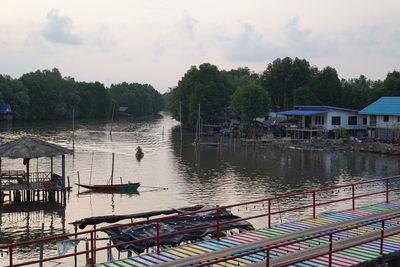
[[284, 83], [46, 95]]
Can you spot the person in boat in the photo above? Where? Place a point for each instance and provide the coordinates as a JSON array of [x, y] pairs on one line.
[[139, 150]]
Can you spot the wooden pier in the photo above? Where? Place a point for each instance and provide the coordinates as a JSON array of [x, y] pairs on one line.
[[358, 235], [42, 186], [281, 254]]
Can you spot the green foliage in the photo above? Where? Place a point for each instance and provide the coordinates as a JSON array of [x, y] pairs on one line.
[[249, 102], [141, 99], [341, 132], [44, 95], [206, 86], [282, 77]]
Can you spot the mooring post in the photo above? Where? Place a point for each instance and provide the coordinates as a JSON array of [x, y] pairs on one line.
[[63, 170], [41, 246], [75, 248]]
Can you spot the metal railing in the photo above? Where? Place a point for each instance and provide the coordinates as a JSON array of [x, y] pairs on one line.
[[16, 180], [389, 185], [328, 235]]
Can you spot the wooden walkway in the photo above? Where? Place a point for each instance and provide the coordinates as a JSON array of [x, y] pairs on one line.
[[202, 252]]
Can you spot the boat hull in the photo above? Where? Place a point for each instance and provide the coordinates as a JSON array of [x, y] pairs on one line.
[[112, 188]]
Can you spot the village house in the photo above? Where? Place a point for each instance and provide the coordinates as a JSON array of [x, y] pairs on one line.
[[324, 120], [5, 112], [383, 118]]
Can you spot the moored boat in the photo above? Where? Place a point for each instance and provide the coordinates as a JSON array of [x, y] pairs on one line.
[[129, 187]]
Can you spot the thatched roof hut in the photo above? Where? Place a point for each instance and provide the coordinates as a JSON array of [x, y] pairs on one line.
[[29, 147]]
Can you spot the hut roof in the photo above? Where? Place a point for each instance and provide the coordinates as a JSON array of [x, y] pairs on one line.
[[29, 147]]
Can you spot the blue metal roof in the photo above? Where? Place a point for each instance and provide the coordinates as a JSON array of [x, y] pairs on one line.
[[302, 112], [4, 108], [388, 105], [324, 108]]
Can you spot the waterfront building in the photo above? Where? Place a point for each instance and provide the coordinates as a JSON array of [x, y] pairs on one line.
[[383, 117], [319, 120]]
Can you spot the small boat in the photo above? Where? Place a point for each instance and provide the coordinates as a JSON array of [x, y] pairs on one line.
[[129, 187], [139, 154]]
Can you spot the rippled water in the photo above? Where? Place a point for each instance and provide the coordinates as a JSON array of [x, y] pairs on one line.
[[225, 175]]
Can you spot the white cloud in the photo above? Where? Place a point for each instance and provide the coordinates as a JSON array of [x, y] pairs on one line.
[[248, 46], [58, 29]]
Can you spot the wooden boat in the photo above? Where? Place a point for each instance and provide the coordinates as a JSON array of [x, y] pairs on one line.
[[139, 154], [129, 187]]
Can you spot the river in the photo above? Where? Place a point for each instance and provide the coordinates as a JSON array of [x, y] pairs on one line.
[[185, 175]]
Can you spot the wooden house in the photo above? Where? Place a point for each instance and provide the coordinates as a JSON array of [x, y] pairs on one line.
[[322, 120], [383, 117]]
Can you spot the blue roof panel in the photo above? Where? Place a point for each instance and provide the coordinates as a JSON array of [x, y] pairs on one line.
[[302, 112], [4, 108], [384, 105]]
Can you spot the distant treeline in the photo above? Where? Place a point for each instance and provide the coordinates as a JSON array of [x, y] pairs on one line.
[[46, 95], [284, 83]]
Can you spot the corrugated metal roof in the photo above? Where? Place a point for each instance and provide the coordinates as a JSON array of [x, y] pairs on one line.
[[324, 108], [4, 108], [302, 112], [388, 105]]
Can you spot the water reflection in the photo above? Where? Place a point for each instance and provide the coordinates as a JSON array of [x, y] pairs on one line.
[[227, 174], [252, 171]]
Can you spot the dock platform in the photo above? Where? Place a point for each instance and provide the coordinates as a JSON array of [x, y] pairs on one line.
[[202, 252]]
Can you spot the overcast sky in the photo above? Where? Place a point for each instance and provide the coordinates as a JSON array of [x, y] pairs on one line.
[[156, 41]]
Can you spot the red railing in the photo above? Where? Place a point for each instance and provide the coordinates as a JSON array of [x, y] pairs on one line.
[[314, 204], [330, 251]]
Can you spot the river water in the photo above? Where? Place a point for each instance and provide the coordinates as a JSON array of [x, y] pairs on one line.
[[185, 175]]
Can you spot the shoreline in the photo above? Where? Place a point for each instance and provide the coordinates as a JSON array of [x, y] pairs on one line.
[[328, 145]]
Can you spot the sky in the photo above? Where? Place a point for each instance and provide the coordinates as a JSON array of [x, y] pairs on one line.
[[157, 41]]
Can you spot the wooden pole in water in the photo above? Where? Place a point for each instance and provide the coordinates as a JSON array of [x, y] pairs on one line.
[[112, 169], [73, 130], [112, 119], [91, 167], [180, 117], [41, 246]]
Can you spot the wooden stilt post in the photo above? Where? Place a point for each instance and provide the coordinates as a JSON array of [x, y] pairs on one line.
[[63, 170]]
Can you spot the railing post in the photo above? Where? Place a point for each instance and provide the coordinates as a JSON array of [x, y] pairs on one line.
[[158, 236], [91, 249], [313, 204], [382, 236], [353, 194], [10, 253], [330, 250], [267, 257], [269, 213], [387, 190], [218, 222]]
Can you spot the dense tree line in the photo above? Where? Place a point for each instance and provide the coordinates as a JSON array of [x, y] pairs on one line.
[[43, 95], [284, 83]]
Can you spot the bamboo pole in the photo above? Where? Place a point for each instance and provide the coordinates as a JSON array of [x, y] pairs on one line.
[[112, 169]]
